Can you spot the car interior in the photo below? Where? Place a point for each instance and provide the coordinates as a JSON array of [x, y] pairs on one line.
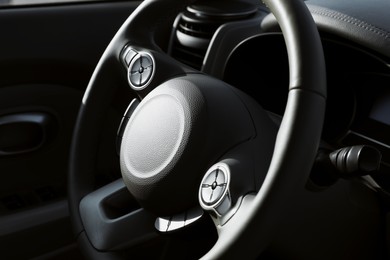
[[195, 129]]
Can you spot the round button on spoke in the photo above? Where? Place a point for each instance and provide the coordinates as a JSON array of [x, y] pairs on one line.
[[140, 71], [214, 192], [213, 187]]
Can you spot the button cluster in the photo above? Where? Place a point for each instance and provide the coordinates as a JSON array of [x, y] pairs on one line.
[[140, 67], [140, 70], [213, 187], [214, 194]]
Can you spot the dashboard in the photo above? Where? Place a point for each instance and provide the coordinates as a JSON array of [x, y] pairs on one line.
[[254, 60]]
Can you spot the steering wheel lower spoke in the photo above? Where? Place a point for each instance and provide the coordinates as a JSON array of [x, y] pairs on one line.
[[113, 219]]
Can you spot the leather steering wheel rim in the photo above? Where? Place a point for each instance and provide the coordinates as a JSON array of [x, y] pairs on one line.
[[296, 144]]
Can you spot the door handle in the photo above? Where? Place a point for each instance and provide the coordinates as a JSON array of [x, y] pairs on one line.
[[23, 132]]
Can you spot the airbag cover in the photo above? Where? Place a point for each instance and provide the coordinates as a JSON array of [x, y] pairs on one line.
[[174, 135]]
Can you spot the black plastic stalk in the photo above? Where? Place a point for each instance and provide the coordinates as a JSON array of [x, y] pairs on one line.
[[357, 160]]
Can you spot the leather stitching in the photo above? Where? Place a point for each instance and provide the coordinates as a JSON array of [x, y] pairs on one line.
[[348, 19]]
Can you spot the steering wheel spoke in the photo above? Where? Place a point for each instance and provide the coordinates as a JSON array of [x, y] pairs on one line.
[[113, 220]]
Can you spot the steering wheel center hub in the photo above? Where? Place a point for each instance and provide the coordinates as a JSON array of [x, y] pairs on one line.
[[177, 131], [156, 163], [154, 136]]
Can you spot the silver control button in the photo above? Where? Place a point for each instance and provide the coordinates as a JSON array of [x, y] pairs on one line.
[[141, 70], [214, 192]]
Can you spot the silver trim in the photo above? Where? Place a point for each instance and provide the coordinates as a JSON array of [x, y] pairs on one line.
[[178, 221], [223, 203], [140, 54]]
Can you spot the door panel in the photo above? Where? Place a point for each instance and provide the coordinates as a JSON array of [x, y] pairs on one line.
[[47, 55]]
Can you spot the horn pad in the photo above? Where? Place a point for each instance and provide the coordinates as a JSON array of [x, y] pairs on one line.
[[178, 130]]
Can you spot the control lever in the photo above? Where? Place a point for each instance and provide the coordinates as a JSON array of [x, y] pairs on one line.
[[357, 160], [347, 162]]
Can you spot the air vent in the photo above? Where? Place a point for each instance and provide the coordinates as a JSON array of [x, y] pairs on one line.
[[196, 26], [192, 38]]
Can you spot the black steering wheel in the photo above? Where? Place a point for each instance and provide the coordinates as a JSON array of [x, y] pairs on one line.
[[191, 146]]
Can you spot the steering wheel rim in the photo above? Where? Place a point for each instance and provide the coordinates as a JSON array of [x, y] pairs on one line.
[[297, 139]]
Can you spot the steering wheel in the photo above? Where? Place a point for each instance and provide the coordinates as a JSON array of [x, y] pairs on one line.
[[192, 146]]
